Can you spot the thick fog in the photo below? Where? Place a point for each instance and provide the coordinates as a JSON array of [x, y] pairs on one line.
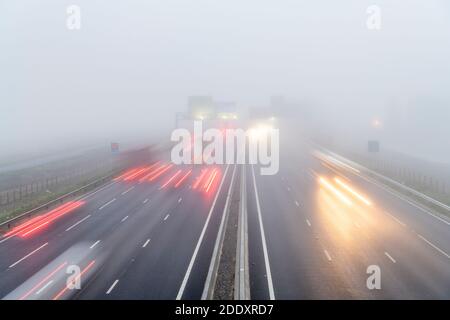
[[133, 64]]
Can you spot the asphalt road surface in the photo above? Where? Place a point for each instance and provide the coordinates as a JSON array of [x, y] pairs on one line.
[[316, 230]]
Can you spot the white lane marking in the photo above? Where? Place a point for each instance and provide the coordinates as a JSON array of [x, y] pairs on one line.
[[44, 287], [128, 190], [415, 192], [3, 240], [219, 240], [327, 254], [124, 218], [98, 190], [397, 194], [390, 257], [297, 204], [309, 223], [31, 253], [179, 200], [112, 287], [396, 219], [146, 243], [96, 243], [434, 246], [166, 217], [145, 201], [107, 204], [401, 197], [200, 239], [77, 223], [263, 239], [243, 293]]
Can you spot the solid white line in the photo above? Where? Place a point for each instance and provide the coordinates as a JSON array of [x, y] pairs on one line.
[[309, 223], [44, 287], [396, 219], [112, 287], [179, 200], [396, 193], [327, 254], [32, 252], [408, 201], [128, 190], [219, 241], [242, 276], [96, 191], [124, 218], [297, 204], [96, 243], [400, 196], [107, 204], [145, 201], [389, 256], [146, 243], [202, 234], [166, 217], [434, 246], [74, 225], [263, 239], [3, 240]]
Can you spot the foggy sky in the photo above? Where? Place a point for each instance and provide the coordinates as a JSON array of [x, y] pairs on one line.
[[133, 63]]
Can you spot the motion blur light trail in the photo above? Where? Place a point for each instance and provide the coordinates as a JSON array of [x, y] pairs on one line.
[[324, 182], [76, 279], [134, 175], [39, 222], [127, 173], [170, 179], [183, 178], [46, 278], [200, 178], [216, 173], [163, 169], [211, 180], [149, 174], [353, 192]]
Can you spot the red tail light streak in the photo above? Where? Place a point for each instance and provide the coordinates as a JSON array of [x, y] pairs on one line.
[[51, 274], [35, 224], [170, 180], [157, 174], [206, 179], [127, 173], [183, 178], [149, 174], [199, 178], [213, 177], [209, 179], [134, 175], [77, 278]]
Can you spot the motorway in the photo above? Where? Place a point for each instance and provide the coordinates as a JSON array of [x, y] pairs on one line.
[[321, 236], [314, 229]]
